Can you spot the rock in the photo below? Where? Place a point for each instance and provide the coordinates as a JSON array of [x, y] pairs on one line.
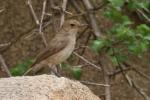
[[43, 87]]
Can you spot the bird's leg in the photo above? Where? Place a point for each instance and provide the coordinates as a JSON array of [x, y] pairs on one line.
[[54, 69]]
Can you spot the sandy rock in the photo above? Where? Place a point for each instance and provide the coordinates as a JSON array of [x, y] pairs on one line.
[[43, 87]]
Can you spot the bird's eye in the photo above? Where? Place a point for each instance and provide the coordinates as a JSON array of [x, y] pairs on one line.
[[72, 25]]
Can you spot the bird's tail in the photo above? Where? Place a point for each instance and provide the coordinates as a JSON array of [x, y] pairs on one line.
[[35, 67]]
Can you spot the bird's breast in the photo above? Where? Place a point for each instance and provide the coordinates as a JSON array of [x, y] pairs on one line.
[[63, 54]]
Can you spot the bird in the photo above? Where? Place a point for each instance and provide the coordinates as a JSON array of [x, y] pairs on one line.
[[59, 48]]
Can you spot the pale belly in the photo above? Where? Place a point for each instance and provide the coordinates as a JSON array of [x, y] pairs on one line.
[[62, 55]]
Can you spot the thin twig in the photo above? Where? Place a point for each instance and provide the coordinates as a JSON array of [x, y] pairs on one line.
[[86, 43], [107, 81], [141, 73], [135, 86], [41, 23], [42, 16], [139, 90], [48, 14], [133, 66], [78, 9], [62, 19], [130, 81], [82, 32], [105, 66], [118, 71], [81, 57], [5, 44], [59, 9], [4, 66], [52, 5], [121, 67], [15, 40], [33, 12], [2, 10], [93, 21], [97, 84], [37, 29], [144, 15], [82, 46], [101, 5]]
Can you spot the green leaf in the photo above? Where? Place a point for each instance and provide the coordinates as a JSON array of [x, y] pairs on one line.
[[133, 48], [119, 58], [117, 3], [143, 29], [132, 5], [116, 16], [98, 44], [144, 5], [139, 48], [144, 46], [77, 72], [20, 69], [138, 4], [114, 60], [122, 33], [65, 66], [147, 37], [113, 14]]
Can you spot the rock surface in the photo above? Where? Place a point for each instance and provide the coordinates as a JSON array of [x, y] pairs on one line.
[[43, 87]]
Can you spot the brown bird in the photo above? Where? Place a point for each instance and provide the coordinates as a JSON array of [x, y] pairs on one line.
[[60, 47]]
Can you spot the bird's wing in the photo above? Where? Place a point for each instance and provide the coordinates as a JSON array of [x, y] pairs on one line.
[[52, 49]]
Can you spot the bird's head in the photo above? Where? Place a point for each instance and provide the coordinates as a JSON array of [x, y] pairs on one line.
[[71, 26], [74, 24]]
